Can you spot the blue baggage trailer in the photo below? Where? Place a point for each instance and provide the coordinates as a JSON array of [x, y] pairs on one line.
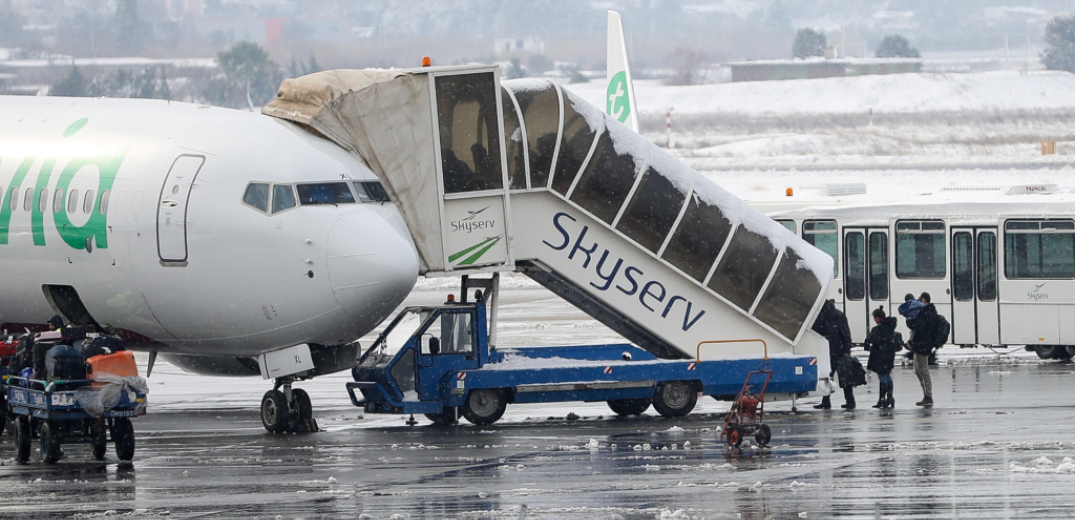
[[50, 411], [437, 361]]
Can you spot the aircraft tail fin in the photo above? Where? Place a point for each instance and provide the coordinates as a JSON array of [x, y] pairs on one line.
[[620, 95]]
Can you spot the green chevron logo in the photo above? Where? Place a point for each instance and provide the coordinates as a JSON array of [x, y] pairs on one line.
[[475, 251]]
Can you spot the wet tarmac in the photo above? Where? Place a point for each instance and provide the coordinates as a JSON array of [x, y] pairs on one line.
[[998, 444]]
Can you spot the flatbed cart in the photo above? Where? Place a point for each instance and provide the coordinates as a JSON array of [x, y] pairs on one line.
[[7, 351], [747, 414], [50, 410]]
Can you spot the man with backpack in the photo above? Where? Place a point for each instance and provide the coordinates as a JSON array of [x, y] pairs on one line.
[[930, 332]]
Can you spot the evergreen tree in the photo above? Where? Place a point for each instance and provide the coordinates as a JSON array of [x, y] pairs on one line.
[[163, 90], [896, 46], [128, 28], [251, 78], [808, 42], [1059, 53], [72, 85]]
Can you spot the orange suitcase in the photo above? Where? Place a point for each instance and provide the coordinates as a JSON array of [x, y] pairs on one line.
[[118, 363]]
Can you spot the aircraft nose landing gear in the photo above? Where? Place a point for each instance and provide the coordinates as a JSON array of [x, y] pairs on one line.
[[287, 410]]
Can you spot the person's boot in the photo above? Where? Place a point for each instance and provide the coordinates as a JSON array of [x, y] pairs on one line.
[[926, 401], [890, 402], [825, 404], [849, 398], [881, 397]]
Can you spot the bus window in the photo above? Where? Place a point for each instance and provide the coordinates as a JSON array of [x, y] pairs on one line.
[[987, 267], [652, 211], [1039, 249], [879, 266], [788, 224], [920, 249], [822, 235], [855, 281], [962, 267]]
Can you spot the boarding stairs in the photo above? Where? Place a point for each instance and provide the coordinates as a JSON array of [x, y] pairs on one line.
[[525, 176]]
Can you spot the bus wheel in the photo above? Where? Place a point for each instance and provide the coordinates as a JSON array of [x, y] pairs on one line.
[[484, 406], [1071, 351], [1050, 351], [674, 398]]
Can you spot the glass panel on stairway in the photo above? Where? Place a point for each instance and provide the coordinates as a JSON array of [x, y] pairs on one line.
[[743, 269], [540, 107], [606, 181], [789, 297], [581, 123], [513, 142], [699, 237], [469, 132], [652, 212]]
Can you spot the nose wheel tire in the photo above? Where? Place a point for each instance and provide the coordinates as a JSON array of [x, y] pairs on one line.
[[484, 406], [23, 437], [674, 398], [274, 412], [625, 407]]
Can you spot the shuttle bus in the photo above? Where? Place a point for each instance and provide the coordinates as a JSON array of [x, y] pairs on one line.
[[998, 262]]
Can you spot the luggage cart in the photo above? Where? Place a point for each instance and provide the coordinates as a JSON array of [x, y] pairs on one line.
[[748, 412], [50, 411]]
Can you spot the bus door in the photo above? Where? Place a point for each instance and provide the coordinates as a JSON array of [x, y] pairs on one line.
[[975, 313], [866, 278]]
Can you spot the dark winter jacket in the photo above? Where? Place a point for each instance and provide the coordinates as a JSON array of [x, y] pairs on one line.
[[883, 342], [832, 324], [924, 330]]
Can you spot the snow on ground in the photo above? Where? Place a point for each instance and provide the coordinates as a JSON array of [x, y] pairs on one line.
[[895, 93]]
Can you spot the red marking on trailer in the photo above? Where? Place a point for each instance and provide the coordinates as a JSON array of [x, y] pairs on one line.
[[690, 366], [608, 370], [461, 376], [813, 361]]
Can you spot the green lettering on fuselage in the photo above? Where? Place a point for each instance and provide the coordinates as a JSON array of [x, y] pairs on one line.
[[96, 227]]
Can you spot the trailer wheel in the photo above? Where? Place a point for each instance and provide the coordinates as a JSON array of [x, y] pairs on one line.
[[763, 435], [625, 407], [22, 439], [484, 406], [100, 441], [123, 435], [274, 412], [50, 443], [735, 435], [445, 418], [674, 398]]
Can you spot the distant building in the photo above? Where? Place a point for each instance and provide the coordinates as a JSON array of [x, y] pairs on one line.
[[769, 70], [530, 45]]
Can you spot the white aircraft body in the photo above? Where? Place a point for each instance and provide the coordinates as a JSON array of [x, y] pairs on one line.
[[209, 235]]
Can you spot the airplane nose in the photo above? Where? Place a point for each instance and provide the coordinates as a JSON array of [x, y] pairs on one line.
[[372, 264]]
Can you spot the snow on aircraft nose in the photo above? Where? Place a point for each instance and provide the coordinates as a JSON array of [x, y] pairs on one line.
[[371, 263]]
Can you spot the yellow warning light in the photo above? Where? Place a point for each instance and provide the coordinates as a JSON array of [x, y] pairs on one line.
[[426, 61], [451, 298], [789, 192]]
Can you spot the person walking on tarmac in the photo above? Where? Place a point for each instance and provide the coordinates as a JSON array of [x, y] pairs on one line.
[[832, 324], [922, 345], [883, 342]]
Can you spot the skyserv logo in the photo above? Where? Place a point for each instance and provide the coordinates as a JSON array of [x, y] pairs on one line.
[[106, 164], [619, 103]]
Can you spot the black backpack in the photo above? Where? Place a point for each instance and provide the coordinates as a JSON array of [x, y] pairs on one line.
[[941, 330], [64, 362]]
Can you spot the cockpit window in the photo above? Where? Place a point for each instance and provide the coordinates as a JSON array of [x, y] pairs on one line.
[[370, 191], [325, 193], [283, 197], [257, 195]]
